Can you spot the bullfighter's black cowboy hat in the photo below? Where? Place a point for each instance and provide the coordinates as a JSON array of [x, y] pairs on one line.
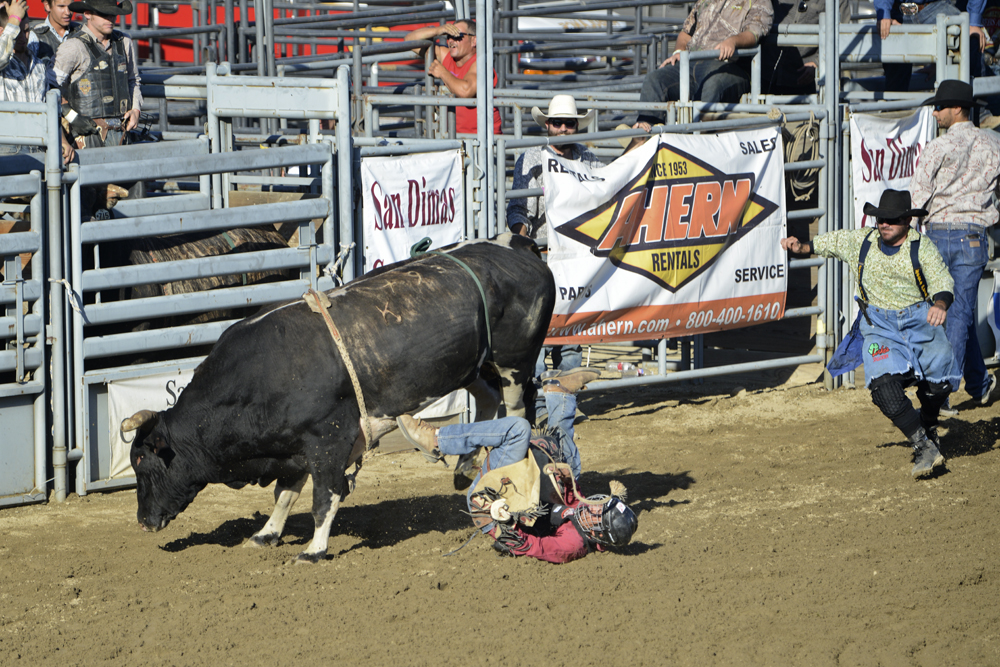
[[893, 205]]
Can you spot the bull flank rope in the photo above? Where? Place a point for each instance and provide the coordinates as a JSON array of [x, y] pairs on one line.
[[319, 303]]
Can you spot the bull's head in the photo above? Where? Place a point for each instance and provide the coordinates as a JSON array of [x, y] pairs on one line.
[[163, 486]]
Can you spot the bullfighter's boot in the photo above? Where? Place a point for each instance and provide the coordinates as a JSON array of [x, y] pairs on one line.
[[926, 455]]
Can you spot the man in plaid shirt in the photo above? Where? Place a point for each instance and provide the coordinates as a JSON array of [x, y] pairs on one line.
[[22, 75]]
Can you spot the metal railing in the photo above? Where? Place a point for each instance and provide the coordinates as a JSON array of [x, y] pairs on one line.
[[374, 80]]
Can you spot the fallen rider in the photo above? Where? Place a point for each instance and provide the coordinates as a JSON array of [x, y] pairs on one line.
[[526, 496]]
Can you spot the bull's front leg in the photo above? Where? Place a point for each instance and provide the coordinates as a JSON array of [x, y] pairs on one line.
[[327, 491], [284, 497]]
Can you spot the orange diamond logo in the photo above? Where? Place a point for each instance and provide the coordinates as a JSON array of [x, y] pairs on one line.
[[673, 220]]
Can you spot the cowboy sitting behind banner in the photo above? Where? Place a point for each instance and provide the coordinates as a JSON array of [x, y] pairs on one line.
[[904, 291]]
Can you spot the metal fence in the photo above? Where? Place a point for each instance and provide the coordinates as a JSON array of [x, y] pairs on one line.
[[217, 119], [33, 180]]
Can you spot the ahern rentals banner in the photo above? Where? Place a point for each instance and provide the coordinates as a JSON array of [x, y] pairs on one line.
[[408, 198], [678, 237]]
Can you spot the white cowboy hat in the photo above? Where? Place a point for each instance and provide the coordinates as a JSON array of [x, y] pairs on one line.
[[562, 106]]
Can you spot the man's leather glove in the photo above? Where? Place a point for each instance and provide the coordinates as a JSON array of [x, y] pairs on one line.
[[560, 514], [480, 503], [79, 124]]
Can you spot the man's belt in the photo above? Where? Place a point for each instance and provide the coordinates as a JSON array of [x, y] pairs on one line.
[[959, 226], [108, 124], [104, 125]]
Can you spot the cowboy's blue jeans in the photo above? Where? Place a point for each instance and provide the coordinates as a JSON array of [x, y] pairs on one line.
[[564, 358], [965, 254], [507, 439]]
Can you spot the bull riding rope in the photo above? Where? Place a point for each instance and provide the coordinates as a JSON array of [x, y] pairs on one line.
[[319, 303]]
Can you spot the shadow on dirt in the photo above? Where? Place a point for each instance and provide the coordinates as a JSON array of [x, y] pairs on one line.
[[963, 438], [390, 522], [645, 489]]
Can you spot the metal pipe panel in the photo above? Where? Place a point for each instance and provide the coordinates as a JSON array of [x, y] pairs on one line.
[[205, 220], [186, 269]]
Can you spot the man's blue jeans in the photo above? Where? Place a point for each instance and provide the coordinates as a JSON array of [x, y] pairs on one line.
[[897, 75], [965, 254], [508, 438], [564, 358], [711, 81]]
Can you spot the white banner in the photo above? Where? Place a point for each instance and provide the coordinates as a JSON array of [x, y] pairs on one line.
[[678, 237], [127, 397], [408, 198], [884, 153]]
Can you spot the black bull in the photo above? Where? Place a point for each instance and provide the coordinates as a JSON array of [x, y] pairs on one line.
[[274, 400]]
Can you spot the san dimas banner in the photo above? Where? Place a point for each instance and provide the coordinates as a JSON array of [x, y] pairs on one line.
[[678, 237]]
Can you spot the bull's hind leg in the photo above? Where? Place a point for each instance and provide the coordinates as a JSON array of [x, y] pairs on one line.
[[284, 498], [487, 395], [486, 390], [518, 391]]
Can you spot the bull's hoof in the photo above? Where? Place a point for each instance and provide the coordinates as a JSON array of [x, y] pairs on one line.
[[263, 540], [465, 471], [461, 482], [305, 558]]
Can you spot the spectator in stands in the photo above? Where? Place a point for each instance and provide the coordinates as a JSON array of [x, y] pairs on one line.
[[22, 75], [791, 70], [526, 216], [713, 25], [896, 12], [455, 64], [102, 101], [955, 180], [48, 34]]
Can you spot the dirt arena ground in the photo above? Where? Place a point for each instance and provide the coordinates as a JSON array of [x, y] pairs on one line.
[[779, 525]]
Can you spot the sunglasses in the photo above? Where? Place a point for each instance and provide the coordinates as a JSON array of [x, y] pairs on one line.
[[571, 123], [893, 221], [457, 38]]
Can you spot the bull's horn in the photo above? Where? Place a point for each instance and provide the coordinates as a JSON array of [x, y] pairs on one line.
[[138, 419]]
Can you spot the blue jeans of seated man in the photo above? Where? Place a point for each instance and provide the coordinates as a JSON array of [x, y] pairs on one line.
[[508, 438], [711, 81], [897, 75], [965, 253], [564, 358]]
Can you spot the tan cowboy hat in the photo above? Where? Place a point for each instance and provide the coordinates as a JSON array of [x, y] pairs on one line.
[[562, 106]]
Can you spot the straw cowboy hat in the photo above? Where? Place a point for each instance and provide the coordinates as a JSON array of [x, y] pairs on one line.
[[893, 205], [953, 93], [562, 106], [109, 7]]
